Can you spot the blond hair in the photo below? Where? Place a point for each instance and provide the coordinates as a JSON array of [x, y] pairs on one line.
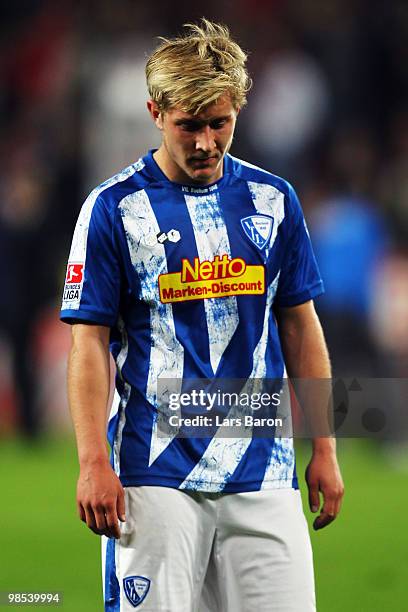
[[194, 70]]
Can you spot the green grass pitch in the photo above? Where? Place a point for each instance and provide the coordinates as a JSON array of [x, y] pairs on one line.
[[361, 560]]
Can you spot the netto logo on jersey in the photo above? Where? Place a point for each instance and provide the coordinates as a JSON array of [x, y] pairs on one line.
[[207, 270], [211, 279]]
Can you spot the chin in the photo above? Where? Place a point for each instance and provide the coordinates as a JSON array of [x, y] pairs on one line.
[[206, 174], [203, 179]]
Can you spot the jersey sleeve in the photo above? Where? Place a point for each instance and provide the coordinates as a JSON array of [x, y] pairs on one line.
[[299, 279], [92, 282]]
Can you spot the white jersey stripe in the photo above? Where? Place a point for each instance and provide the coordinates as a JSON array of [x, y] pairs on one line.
[[223, 455], [167, 354], [268, 201], [279, 472], [79, 241], [211, 238], [281, 465]]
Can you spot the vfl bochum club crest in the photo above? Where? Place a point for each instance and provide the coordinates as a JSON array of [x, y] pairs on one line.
[[136, 589], [258, 228]]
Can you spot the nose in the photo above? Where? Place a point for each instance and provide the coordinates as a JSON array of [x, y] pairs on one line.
[[205, 139]]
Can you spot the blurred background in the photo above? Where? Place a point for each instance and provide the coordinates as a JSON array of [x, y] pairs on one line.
[[328, 111]]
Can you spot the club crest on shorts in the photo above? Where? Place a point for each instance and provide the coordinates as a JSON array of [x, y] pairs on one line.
[[258, 228], [136, 589]]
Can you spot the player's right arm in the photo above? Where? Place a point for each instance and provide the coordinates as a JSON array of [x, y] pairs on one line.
[[100, 495]]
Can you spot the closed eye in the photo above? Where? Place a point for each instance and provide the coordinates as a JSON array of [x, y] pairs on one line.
[[217, 124], [189, 126], [192, 125]]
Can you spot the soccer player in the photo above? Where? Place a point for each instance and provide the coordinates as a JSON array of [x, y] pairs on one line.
[[192, 264]]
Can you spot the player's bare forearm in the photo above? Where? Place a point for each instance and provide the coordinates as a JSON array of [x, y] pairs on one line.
[[307, 358], [88, 390], [100, 495]]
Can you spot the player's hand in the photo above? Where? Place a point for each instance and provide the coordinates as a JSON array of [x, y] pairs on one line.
[[101, 499], [323, 476]]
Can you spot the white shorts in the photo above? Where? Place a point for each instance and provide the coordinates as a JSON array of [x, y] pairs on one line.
[[183, 551]]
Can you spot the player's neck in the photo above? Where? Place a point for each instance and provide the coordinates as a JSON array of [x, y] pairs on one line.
[[163, 160], [173, 172]]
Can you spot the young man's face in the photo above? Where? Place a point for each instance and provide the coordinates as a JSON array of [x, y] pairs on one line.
[[194, 146]]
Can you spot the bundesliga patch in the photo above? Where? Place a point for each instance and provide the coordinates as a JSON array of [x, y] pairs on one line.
[[136, 589], [258, 228], [75, 272], [73, 285], [211, 279]]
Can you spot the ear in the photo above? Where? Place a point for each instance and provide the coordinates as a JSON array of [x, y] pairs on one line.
[[155, 113]]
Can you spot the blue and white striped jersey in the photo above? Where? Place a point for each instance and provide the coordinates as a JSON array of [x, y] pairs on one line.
[[186, 278]]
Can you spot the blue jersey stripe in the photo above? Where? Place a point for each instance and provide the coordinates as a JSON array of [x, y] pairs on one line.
[[112, 589]]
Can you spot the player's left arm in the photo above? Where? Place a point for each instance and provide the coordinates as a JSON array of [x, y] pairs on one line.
[[306, 357]]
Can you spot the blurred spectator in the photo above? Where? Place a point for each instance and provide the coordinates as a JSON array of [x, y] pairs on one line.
[[394, 177], [389, 308], [288, 109], [39, 185], [24, 198], [350, 239], [328, 112], [114, 108]]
